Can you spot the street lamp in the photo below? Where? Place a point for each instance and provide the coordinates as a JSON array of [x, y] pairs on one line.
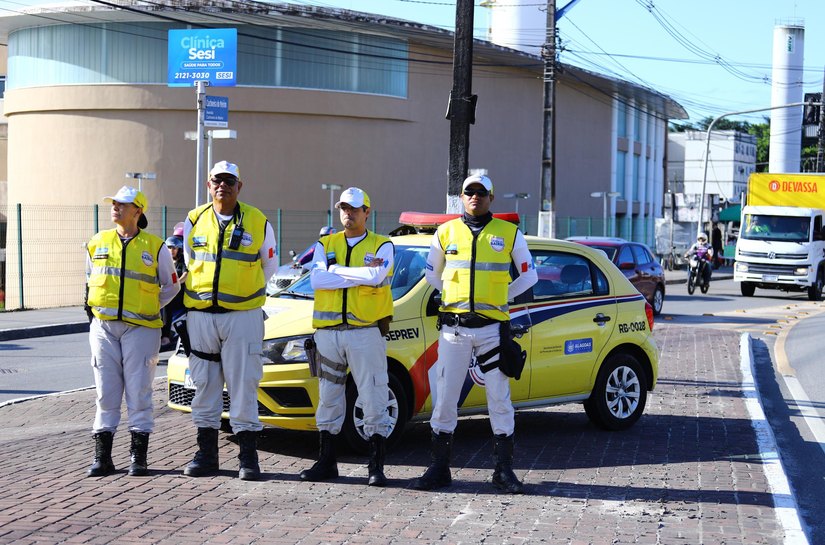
[[213, 134], [604, 195], [332, 189], [516, 196], [140, 176]]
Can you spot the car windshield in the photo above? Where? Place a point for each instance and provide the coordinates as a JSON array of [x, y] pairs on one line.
[[778, 228], [410, 264]]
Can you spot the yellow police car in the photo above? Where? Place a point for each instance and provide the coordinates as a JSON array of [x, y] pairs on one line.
[[589, 341]]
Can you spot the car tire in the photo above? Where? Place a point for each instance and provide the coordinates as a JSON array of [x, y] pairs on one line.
[[747, 289], [353, 422], [619, 395], [658, 300], [226, 427]]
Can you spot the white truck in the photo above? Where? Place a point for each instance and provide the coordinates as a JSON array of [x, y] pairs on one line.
[[781, 243]]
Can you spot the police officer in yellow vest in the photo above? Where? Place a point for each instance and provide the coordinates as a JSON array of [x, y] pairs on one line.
[[469, 262], [130, 277], [351, 277], [229, 248]]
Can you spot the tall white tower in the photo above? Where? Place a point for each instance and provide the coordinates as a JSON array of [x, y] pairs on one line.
[[786, 88], [517, 24]]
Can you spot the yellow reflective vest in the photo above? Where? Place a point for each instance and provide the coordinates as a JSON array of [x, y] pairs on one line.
[[123, 282], [476, 274], [223, 278], [359, 305]]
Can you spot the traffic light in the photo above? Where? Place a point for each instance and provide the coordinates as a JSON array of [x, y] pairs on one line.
[[811, 115]]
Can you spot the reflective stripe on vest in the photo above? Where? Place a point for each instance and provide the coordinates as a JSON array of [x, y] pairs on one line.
[[130, 270], [476, 273], [231, 279], [358, 305]]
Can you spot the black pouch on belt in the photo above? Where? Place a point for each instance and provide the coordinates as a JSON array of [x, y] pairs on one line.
[[511, 357], [311, 350]]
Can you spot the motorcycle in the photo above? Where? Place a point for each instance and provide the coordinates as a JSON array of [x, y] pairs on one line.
[[696, 271]]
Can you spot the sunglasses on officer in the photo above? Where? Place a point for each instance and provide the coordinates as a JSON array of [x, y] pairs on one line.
[[229, 181], [473, 192]]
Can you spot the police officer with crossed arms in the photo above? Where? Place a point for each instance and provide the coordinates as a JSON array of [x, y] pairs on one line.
[[469, 262]]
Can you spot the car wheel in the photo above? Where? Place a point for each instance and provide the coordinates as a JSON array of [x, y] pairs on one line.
[[226, 427], [353, 429], [815, 291], [658, 300], [747, 289], [620, 394]]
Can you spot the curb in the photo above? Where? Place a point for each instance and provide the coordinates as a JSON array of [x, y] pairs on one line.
[[43, 331], [713, 277]]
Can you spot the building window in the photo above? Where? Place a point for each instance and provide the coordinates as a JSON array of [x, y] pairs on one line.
[[621, 159], [621, 118], [136, 53]]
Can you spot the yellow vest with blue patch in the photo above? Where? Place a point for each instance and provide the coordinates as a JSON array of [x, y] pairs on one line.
[[359, 305], [124, 283], [476, 274], [223, 278]]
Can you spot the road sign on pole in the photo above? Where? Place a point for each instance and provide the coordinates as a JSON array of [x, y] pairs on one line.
[[216, 112]]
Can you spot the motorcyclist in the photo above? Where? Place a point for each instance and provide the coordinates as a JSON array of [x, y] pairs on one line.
[[703, 252]]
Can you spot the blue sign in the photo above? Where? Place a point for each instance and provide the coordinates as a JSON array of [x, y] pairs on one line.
[[216, 112], [578, 346], [202, 55]]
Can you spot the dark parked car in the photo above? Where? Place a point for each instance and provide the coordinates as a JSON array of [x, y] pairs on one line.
[[636, 262]]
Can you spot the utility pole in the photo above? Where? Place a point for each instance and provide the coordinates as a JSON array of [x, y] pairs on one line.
[[820, 147], [461, 108], [548, 167]]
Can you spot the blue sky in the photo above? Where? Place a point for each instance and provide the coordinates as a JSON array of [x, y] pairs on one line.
[[628, 40], [623, 39]]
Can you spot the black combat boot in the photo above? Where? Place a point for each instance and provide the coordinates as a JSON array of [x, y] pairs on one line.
[[438, 474], [327, 466], [205, 462], [140, 446], [503, 476], [103, 464], [376, 465], [248, 457]]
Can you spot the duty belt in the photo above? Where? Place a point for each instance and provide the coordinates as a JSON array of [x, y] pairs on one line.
[[465, 319], [342, 327]]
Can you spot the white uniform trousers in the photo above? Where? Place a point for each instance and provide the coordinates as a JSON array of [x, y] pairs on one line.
[[238, 337], [364, 350], [456, 347], [124, 358]]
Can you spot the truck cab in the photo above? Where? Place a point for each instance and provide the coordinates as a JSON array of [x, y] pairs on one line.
[[781, 248]]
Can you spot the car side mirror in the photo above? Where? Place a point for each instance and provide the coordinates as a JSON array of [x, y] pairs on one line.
[[433, 303], [627, 266]]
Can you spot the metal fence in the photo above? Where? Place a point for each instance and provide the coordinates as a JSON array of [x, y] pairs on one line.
[[42, 256]]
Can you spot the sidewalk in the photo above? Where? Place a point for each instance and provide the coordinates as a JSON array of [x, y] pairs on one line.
[[689, 471]]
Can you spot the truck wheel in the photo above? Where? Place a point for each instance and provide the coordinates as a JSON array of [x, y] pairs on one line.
[[353, 430], [815, 291], [747, 288]]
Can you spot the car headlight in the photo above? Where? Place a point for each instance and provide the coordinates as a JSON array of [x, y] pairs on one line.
[[285, 350], [800, 271], [741, 267]]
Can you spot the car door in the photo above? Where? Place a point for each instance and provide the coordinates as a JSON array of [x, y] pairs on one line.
[[645, 270], [573, 316]]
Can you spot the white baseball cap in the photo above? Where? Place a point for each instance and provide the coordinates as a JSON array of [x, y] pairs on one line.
[[131, 195], [354, 197], [225, 167], [485, 182]]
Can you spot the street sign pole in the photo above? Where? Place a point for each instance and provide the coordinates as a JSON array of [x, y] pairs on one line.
[[200, 87]]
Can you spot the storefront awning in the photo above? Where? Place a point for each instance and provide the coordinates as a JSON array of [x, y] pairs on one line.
[[731, 213]]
